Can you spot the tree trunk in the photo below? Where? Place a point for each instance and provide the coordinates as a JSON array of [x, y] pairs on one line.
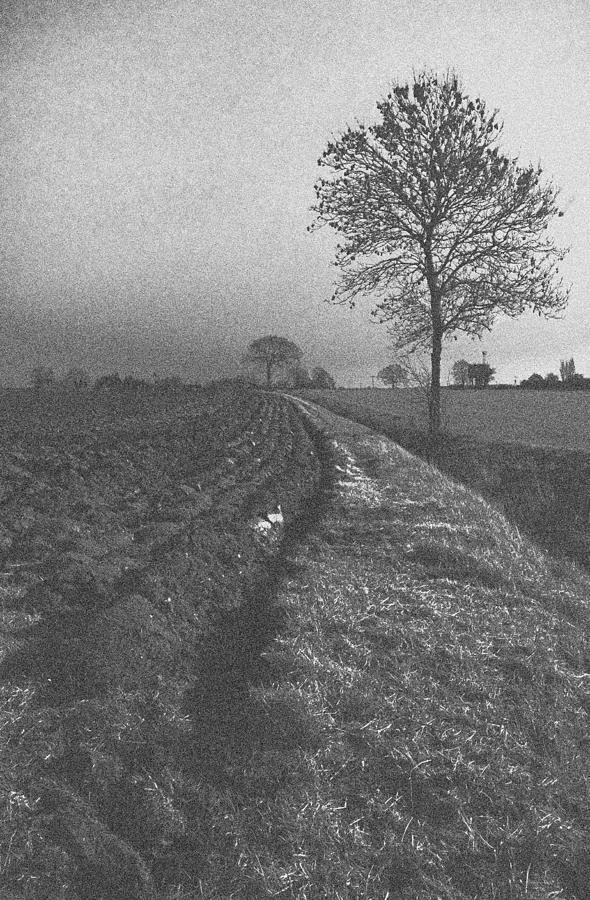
[[434, 415], [434, 422]]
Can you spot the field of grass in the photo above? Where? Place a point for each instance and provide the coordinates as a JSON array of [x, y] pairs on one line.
[[553, 419], [387, 698]]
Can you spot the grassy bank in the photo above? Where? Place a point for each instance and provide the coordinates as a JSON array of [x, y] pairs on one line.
[[545, 490], [423, 728]]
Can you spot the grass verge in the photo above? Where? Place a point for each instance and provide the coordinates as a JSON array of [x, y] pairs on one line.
[[545, 491], [423, 728]]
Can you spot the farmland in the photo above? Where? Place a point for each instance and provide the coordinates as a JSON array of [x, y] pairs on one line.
[[549, 419], [252, 650], [137, 559]]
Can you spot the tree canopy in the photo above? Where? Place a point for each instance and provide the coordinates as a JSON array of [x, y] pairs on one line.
[[480, 374], [271, 353], [441, 228], [393, 375], [322, 379], [301, 377], [567, 368], [534, 381], [77, 379], [460, 372]]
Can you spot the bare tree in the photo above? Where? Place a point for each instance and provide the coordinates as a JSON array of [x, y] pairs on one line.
[[418, 374], [436, 223], [272, 353]]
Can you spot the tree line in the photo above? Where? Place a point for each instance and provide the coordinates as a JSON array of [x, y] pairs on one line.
[[278, 361], [77, 380], [480, 375], [568, 379], [274, 360], [464, 374]]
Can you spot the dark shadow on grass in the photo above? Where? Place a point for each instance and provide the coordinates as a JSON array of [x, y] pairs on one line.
[[225, 715], [231, 657], [229, 722], [452, 563], [74, 654]]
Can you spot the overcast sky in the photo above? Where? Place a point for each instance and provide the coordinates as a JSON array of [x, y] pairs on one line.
[[158, 157]]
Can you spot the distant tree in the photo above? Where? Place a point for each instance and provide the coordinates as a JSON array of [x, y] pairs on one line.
[[76, 380], [271, 353], [576, 382], [168, 384], [480, 374], [552, 380], [443, 229], [301, 377], [132, 384], [393, 375], [535, 382], [42, 377], [110, 382], [418, 375], [460, 372], [567, 368], [322, 379]]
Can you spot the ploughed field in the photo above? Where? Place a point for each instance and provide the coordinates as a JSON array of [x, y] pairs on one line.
[[551, 419], [203, 696], [138, 541]]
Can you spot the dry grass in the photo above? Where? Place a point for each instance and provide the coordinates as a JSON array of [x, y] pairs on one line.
[[543, 489], [426, 724]]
